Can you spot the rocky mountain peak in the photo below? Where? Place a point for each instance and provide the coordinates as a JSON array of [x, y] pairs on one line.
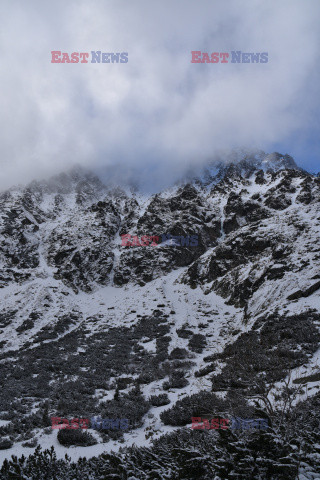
[[85, 319], [243, 164]]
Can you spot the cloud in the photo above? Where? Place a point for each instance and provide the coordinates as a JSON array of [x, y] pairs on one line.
[[158, 114]]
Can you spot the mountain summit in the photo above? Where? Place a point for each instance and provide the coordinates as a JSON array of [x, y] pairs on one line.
[[160, 334]]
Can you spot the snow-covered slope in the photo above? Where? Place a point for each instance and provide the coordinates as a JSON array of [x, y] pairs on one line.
[[81, 314]]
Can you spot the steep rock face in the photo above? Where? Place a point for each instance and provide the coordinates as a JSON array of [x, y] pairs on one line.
[[257, 223], [270, 235], [59, 226], [19, 239], [81, 315], [71, 225], [84, 256], [184, 213]]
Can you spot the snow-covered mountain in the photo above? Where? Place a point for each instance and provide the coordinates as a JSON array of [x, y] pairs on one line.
[[83, 318]]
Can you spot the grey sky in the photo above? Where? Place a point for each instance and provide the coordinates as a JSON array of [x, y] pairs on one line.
[[159, 113]]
